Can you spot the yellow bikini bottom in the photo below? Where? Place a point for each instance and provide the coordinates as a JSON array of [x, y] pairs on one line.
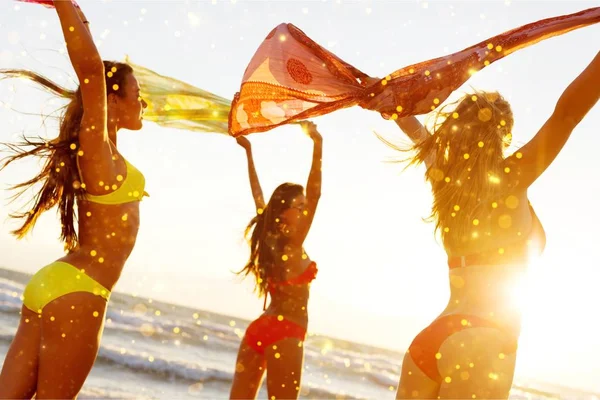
[[56, 280]]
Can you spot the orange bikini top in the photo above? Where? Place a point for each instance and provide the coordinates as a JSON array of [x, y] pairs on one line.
[[491, 257]]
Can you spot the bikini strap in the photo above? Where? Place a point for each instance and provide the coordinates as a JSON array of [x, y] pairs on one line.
[[79, 169]]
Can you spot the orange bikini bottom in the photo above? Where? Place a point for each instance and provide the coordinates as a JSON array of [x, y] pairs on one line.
[[427, 344]]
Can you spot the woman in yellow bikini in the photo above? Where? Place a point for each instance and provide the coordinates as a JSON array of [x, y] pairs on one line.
[[64, 303], [489, 229]]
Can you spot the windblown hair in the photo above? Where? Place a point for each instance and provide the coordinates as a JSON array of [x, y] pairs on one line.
[[59, 176], [466, 154], [266, 235]]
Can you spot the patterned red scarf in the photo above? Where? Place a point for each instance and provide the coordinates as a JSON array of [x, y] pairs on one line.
[[291, 78]]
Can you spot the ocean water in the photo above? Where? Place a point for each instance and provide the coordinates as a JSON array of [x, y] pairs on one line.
[[155, 350]]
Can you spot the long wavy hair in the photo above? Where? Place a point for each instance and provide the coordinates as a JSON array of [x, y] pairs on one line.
[[266, 236], [466, 149], [59, 177]]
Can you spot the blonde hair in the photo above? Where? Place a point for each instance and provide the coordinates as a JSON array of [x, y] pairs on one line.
[[466, 150]]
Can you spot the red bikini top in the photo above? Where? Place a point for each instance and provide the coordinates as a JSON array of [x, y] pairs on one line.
[[306, 277]]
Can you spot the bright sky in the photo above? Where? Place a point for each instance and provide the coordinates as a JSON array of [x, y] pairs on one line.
[[382, 275]]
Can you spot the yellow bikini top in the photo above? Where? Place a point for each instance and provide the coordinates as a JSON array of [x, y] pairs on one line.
[[131, 189]]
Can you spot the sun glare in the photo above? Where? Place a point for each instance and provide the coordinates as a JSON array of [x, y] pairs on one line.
[[546, 297]]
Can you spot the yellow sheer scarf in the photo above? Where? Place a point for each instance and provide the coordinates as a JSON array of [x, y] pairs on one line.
[[176, 104]]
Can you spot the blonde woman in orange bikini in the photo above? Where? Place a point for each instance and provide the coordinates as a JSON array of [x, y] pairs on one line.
[[489, 230], [65, 302]]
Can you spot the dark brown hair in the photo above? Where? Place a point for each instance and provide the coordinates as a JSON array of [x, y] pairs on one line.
[[266, 234], [60, 176]]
